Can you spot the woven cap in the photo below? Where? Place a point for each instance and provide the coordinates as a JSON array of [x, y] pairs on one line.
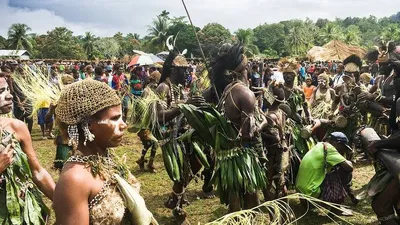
[[83, 99]]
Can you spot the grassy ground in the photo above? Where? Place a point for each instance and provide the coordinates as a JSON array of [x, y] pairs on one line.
[[156, 188]]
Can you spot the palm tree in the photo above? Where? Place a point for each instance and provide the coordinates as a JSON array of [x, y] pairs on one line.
[[353, 35], [158, 31], [296, 40], [18, 37], [88, 40], [391, 33], [331, 31], [246, 37]]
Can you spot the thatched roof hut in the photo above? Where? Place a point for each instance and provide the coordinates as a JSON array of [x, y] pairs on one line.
[[334, 50]]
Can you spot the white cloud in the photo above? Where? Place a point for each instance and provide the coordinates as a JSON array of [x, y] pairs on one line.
[[105, 18]]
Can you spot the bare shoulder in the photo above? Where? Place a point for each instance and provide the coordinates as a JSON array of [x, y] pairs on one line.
[[74, 176], [17, 127], [162, 88], [244, 91]]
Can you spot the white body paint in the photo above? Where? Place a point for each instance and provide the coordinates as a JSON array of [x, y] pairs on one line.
[[3, 95], [39, 175]]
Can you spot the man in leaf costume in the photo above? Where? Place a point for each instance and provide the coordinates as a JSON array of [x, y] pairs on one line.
[[384, 186], [182, 156], [239, 172], [275, 142], [20, 199], [300, 114], [349, 116]]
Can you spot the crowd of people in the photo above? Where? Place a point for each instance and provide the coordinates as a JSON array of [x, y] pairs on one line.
[[257, 127]]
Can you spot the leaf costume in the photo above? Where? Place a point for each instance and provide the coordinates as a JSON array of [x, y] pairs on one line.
[[20, 199]]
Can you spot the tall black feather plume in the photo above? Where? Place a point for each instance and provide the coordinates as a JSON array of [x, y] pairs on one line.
[[353, 59], [227, 59], [167, 67]]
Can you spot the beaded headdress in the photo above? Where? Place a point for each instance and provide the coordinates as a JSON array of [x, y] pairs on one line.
[[81, 100], [324, 76], [287, 65]]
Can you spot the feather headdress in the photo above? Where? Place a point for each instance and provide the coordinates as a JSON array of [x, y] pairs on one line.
[[287, 65], [229, 58], [352, 64], [380, 53], [174, 59]]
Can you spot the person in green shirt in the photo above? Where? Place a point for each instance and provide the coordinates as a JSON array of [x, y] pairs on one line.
[[325, 173]]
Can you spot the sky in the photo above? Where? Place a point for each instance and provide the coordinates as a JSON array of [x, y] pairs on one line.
[[107, 17]]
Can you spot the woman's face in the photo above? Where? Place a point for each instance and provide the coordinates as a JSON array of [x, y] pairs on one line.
[[108, 127], [322, 82], [5, 97]]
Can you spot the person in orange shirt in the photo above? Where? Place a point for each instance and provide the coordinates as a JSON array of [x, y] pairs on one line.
[[308, 89]]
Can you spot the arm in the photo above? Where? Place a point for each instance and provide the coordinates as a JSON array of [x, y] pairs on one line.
[[385, 100], [50, 113], [247, 102], [346, 166], [305, 106], [393, 141], [336, 100], [374, 88], [165, 115], [39, 175], [312, 98], [6, 158], [71, 199]]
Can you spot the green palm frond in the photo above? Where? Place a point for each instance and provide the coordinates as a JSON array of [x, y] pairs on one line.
[[277, 212]]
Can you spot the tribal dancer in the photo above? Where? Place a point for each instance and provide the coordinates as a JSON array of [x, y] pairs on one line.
[[160, 114], [300, 114], [275, 142], [239, 106], [20, 171], [94, 188], [349, 116], [321, 100], [145, 135], [383, 90], [386, 194]]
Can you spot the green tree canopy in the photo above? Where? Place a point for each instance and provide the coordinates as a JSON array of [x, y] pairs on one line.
[[106, 48], [88, 46], [61, 44], [18, 37], [212, 36]]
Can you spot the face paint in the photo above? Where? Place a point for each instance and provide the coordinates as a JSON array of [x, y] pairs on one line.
[[114, 124], [5, 92]]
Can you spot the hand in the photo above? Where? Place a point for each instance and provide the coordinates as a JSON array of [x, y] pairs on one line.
[[196, 101], [6, 157], [366, 96]]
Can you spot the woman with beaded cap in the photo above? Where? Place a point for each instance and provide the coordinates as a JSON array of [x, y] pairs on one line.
[[89, 115]]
